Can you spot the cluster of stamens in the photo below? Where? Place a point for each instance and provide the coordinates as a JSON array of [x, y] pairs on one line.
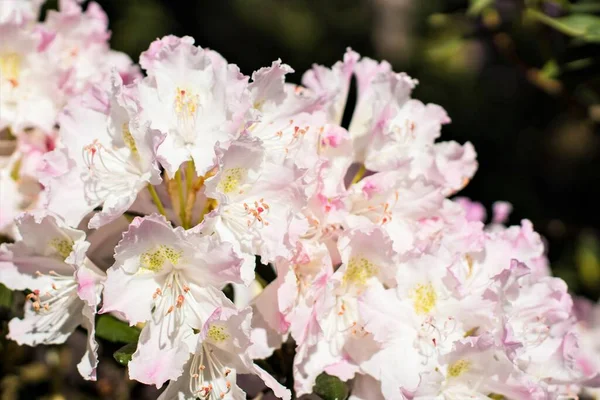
[[256, 212], [178, 290], [207, 362], [57, 293], [185, 102]]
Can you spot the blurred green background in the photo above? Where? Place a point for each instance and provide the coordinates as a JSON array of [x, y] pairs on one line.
[[520, 80]]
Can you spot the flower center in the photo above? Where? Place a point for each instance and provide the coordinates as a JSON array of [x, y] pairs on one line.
[[10, 68], [186, 107], [231, 180], [424, 298], [359, 270], [458, 368], [217, 333], [154, 260], [61, 246], [186, 103]]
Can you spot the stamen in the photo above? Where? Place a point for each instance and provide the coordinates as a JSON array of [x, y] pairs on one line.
[[256, 212]]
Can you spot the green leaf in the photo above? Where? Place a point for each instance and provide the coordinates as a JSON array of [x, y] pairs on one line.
[[330, 388], [586, 26], [123, 355], [477, 6], [113, 330], [583, 26], [550, 70], [588, 261], [5, 296]]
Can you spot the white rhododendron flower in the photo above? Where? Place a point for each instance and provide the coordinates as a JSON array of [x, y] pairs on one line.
[[50, 261], [340, 245]]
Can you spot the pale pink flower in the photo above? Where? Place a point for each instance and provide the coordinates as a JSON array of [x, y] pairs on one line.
[[50, 261], [172, 275], [218, 356], [106, 156], [195, 98]]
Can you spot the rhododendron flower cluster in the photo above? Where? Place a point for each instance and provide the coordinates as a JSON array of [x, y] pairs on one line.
[[189, 176]]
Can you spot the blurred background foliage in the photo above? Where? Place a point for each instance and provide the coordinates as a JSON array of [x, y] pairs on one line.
[[519, 78]]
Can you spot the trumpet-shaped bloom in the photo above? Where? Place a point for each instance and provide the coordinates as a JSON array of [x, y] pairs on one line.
[[49, 260], [172, 275], [106, 157], [257, 201], [219, 355], [193, 97]]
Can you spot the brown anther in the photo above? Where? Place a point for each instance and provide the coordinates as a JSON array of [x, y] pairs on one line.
[[201, 367], [170, 310], [38, 273], [227, 371], [228, 385], [46, 307], [54, 286], [186, 288], [53, 273], [36, 306]]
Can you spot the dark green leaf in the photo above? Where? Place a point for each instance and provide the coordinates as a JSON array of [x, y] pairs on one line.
[[5, 296], [330, 388], [123, 355], [113, 330]]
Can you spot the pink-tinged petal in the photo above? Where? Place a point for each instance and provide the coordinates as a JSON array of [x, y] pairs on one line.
[[310, 361], [136, 306], [47, 248], [457, 164], [114, 206], [344, 369], [265, 340], [153, 363], [474, 211], [89, 283], [278, 389], [331, 85], [18, 267], [267, 305], [217, 260], [89, 362], [267, 87], [501, 212]]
